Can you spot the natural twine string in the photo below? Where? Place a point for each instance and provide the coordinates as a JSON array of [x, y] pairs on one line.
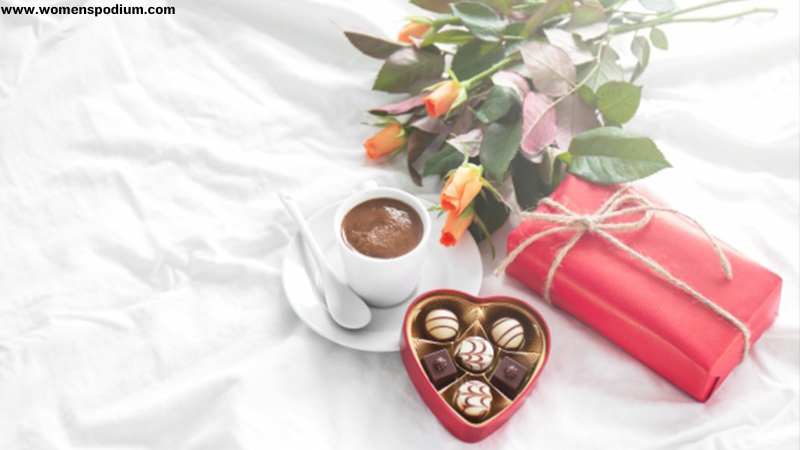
[[622, 203]]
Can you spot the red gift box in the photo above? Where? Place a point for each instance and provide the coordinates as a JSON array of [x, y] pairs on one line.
[[680, 338]]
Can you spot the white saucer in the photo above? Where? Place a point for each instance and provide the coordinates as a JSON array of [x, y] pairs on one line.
[[457, 267]]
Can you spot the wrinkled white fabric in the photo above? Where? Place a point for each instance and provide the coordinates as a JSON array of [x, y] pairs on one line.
[[141, 239]]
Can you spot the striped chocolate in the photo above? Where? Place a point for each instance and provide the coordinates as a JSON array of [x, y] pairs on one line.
[[441, 324], [508, 333]]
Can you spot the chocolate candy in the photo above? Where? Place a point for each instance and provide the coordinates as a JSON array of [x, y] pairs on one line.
[[473, 360], [508, 333], [475, 353], [474, 399], [441, 324], [440, 368], [509, 375]]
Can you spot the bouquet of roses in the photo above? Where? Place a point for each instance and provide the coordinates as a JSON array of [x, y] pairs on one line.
[[519, 90]]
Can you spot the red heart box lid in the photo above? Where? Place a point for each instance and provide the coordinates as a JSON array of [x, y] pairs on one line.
[[489, 400]]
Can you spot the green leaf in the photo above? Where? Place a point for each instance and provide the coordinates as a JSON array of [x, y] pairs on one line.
[[500, 144], [443, 161], [658, 5], [491, 211], [545, 11], [587, 95], [587, 13], [418, 141], [451, 36], [480, 19], [439, 6], [659, 39], [372, 46], [475, 57], [529, 187], [610, 155], [497, 104], [591, 31], [407, 69], [607, 70], [618, 101], [640, 48], [588, 20], [504, 6], [515, 29], [550, 170]]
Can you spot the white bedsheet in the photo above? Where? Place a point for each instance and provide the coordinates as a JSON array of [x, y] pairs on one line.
[[141, 239]]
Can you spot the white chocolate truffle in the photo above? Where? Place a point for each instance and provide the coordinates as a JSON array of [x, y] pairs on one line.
[[475, 353], [508, 333], [474, 399], [441, 324]]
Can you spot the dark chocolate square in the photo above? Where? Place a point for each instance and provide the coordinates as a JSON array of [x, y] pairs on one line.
[[440, 368], [509, 375]]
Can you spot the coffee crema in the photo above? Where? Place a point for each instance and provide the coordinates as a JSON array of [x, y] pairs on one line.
[[382, 228]]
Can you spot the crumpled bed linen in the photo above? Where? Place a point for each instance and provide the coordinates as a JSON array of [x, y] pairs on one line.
[[141, 239]]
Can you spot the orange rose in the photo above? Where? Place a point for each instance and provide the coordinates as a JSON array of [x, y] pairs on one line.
[[455, 226], [438, 102], [461, 188], [389, 139], [412, 29]]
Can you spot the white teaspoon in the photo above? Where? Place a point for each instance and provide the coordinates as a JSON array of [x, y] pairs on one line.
[[345, 307]]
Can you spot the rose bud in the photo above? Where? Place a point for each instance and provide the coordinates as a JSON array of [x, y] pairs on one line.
[[461, 188], [391, 138], [438, 102], [455, 226], [412, 29]]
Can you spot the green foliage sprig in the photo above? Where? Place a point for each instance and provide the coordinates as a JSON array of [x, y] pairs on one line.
[[531, 90]]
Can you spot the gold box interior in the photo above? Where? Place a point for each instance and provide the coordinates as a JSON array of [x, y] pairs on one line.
[[476, 319]]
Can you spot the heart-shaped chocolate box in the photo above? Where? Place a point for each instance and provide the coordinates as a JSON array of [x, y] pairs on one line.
[[475, 316]]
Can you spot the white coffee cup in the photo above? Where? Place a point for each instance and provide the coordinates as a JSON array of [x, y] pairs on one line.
[[383, 282]]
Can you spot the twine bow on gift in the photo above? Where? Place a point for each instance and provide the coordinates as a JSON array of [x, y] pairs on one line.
[[623, 202]]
